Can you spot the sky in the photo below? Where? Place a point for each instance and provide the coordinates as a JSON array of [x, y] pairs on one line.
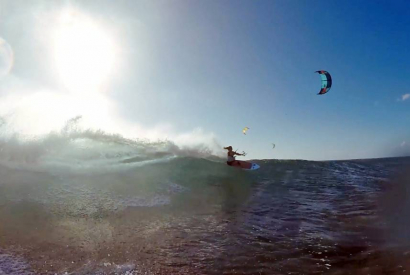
[[200, 71]]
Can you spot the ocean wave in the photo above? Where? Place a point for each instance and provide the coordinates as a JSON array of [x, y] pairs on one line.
[[76, 149]]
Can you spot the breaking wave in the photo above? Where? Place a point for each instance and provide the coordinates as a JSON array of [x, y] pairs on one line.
[[76, 148]]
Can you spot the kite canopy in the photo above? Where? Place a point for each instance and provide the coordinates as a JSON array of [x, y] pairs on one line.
[[245, 130], [326, 82]]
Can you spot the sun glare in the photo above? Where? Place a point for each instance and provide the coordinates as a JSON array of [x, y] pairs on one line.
[[84, 54]]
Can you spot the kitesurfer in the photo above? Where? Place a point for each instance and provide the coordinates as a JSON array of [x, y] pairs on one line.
[[231, 156]]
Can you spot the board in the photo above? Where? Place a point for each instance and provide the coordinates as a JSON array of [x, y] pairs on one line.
[[245, 165]]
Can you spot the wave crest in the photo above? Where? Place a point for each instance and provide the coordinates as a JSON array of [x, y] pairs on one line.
[[74, 145]]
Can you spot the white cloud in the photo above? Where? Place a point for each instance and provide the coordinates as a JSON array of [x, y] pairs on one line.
[[405, 97]]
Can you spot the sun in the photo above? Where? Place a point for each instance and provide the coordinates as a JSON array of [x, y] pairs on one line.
[[83, 52]]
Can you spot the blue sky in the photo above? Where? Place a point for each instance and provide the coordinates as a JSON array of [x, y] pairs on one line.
[[224, 65]]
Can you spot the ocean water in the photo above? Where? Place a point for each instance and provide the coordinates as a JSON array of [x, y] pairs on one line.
[[85, 202]]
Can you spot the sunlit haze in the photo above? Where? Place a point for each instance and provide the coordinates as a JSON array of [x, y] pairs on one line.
[[198, 72]]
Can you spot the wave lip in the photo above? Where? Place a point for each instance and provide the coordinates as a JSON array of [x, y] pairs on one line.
[[74, 148]]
